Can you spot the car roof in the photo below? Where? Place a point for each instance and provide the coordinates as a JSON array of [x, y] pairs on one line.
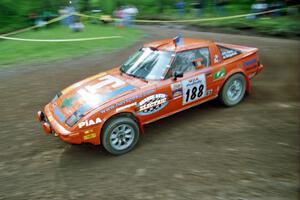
[[186, 44]]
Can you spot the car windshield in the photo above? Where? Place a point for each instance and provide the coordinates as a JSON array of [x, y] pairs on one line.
[[147, 64]]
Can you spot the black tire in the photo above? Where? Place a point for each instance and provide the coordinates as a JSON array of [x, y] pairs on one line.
[[225, 98], [109, 132]]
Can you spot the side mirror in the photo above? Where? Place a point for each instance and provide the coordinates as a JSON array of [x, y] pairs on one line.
[[177, 74]]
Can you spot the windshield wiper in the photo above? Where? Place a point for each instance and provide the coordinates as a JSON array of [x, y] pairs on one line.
[[135, 76], [122, 70]]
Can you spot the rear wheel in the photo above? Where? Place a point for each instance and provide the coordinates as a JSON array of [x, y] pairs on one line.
[[233, 90], [120, 135]]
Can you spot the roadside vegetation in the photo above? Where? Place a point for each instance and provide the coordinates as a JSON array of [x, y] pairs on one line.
[[17, 15], [14, 16], [284, 24], [22, 52]]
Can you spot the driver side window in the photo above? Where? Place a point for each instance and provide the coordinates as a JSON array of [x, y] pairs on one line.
[[183, 61]]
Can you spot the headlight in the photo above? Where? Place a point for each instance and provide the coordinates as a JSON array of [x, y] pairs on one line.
[[72, 120], [77, 115]]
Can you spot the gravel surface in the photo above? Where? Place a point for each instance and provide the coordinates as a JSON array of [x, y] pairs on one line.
[[247, 152]]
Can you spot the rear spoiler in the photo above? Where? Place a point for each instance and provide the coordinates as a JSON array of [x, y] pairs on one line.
[[243, 49]]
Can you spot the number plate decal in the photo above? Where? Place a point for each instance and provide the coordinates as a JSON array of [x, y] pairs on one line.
[[193, 89]]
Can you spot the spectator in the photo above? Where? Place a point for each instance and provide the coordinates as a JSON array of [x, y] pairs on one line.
[[67, 11], [118, 14], [198, 5], [129, 13], [219, 5], [40, 23], [258, 6], [292, 10], [77, 26], [32, 17], [62, 11], [180, 7], [275, 6]]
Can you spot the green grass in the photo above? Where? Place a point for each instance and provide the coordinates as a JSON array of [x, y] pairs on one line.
[[19, 52]]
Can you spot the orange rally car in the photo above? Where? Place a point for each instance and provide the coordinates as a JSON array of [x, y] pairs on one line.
[[160, 79]]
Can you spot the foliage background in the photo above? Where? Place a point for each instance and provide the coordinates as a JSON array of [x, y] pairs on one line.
[[14, 14]]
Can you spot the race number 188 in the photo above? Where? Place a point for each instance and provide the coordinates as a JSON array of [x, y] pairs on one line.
[[194, 89]]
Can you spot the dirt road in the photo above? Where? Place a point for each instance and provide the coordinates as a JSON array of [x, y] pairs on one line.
[[247, 152]]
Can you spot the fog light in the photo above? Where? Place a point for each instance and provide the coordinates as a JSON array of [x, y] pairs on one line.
[[41, 116], [47, 128]]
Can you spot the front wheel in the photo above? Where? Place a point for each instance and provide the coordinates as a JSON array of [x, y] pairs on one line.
[[233, 90], [120, 135]]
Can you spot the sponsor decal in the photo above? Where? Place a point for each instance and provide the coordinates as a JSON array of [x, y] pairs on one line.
[[97, 99], [58, 114], [89, 136], [208, 92], [251, 68], [194, 89], [89, 95], [125, 107], [50, 118], [88, 123], [104, 81], [129, 100], [75, 85], [152, 104], [250, 62], [216, 58], [88, 131], [68, 101], [176, 90], [221, 73], [229, 53]]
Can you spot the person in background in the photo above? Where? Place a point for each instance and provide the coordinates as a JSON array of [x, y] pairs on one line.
[[277, 6], [292, 10], [118, 14], [126, 16], [77, 26], [46, 15], [258, 6], [219, 5], [62, 11], [69, 10], [198, 5], [129, 14], [180, 7], [134, 12], [32, 17], [40, 23]]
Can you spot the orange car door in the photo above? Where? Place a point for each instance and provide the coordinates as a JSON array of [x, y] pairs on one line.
[[195, 85]]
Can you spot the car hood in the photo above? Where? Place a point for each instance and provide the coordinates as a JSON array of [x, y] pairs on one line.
[[93, 92]]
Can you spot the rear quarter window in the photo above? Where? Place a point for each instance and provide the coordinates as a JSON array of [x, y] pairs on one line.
[[228, 52]]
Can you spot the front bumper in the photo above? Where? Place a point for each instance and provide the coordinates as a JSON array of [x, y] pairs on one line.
[[259, 69], [50, 126], [45, 124]]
